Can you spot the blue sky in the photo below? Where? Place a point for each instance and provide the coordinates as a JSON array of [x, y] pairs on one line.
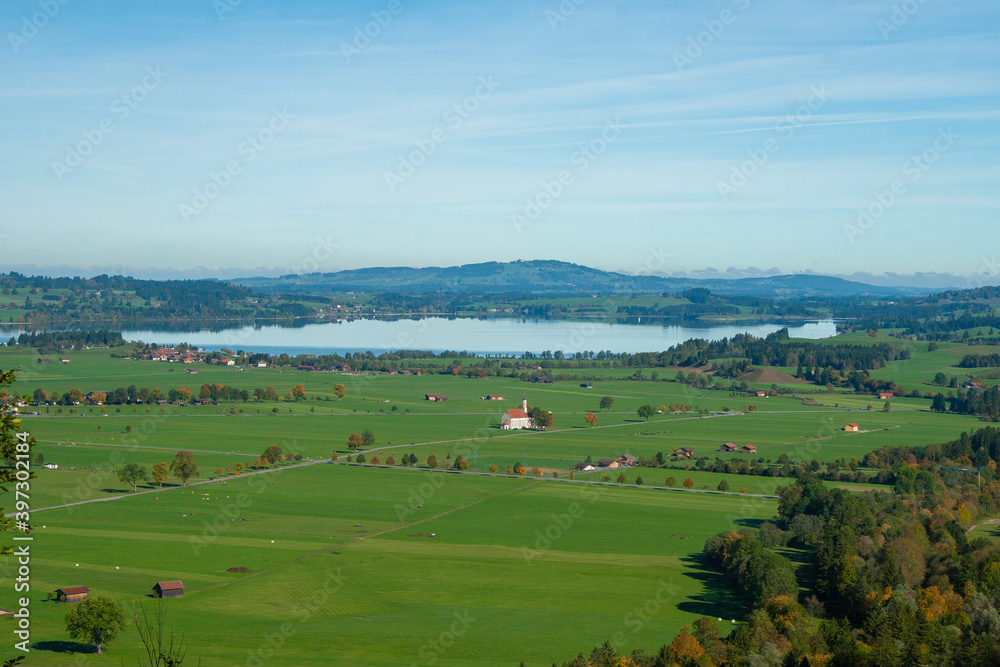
[[201, 137]]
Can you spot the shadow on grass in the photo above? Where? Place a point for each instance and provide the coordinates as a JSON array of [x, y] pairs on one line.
[[64, 647], [717, 599], [749, 523]]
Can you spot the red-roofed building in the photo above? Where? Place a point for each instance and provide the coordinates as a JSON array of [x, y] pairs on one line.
[[750, 449], [885, 395], [852, 428], [516, 418], [72, 593], [168, 589]]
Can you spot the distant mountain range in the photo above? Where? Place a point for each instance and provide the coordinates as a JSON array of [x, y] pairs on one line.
[[551, 277]]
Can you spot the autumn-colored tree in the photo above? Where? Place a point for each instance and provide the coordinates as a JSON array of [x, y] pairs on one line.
[[334, 456], [376, 460], [494, 468], [238, 467], [339, 391], [520, 470], [272, 455], [299, 392], [160, 471], [688, 483], [218, 471], [432, 461], [621, 478], [76, 395], [591, 419], [685, 648], [98, 397], [354, 440], [461, 463], [390, 460]]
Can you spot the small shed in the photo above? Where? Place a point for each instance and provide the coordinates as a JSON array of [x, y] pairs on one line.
[[851, 427], [168, 589], [72, 593], [885, 395], [728, 447], [750, 449], [438, 398]]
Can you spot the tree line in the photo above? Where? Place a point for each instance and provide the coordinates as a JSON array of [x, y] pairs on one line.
[[896, 579]]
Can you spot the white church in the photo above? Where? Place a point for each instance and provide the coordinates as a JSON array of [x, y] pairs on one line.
[[516, 418]]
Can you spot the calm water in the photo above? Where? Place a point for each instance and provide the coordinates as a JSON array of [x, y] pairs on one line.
[[491, 336]]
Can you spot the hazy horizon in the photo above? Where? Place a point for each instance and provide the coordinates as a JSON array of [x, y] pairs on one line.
[[843, 138]]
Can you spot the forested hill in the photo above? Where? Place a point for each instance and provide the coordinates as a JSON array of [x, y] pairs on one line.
[[554, 277], [42, 300]]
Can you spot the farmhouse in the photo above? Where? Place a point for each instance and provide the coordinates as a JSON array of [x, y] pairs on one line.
[[749, 449], [885, 395], [436, 397], [168, 589], [261, 364], [852, 428], [583, 467], [727, 447], [684, 453], [493, 397], [43, 360], [63, 360], [626, 461], [607, 463], [516, 418], [761, 394], [72, 594]]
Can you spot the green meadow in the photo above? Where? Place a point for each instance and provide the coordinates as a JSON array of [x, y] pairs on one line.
[[341, 559], [377, 566]]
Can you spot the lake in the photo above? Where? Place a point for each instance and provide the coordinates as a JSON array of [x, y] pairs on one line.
[[488, 337]]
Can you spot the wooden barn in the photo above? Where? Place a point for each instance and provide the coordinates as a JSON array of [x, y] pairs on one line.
[[72, 593], [168, 589]]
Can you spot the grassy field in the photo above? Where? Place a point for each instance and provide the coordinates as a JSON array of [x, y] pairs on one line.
[[517, 569], [339, 561]]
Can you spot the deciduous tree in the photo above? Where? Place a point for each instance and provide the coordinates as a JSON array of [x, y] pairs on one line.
[[132, 473], [272, 455], [183, 466], [97, 620]]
